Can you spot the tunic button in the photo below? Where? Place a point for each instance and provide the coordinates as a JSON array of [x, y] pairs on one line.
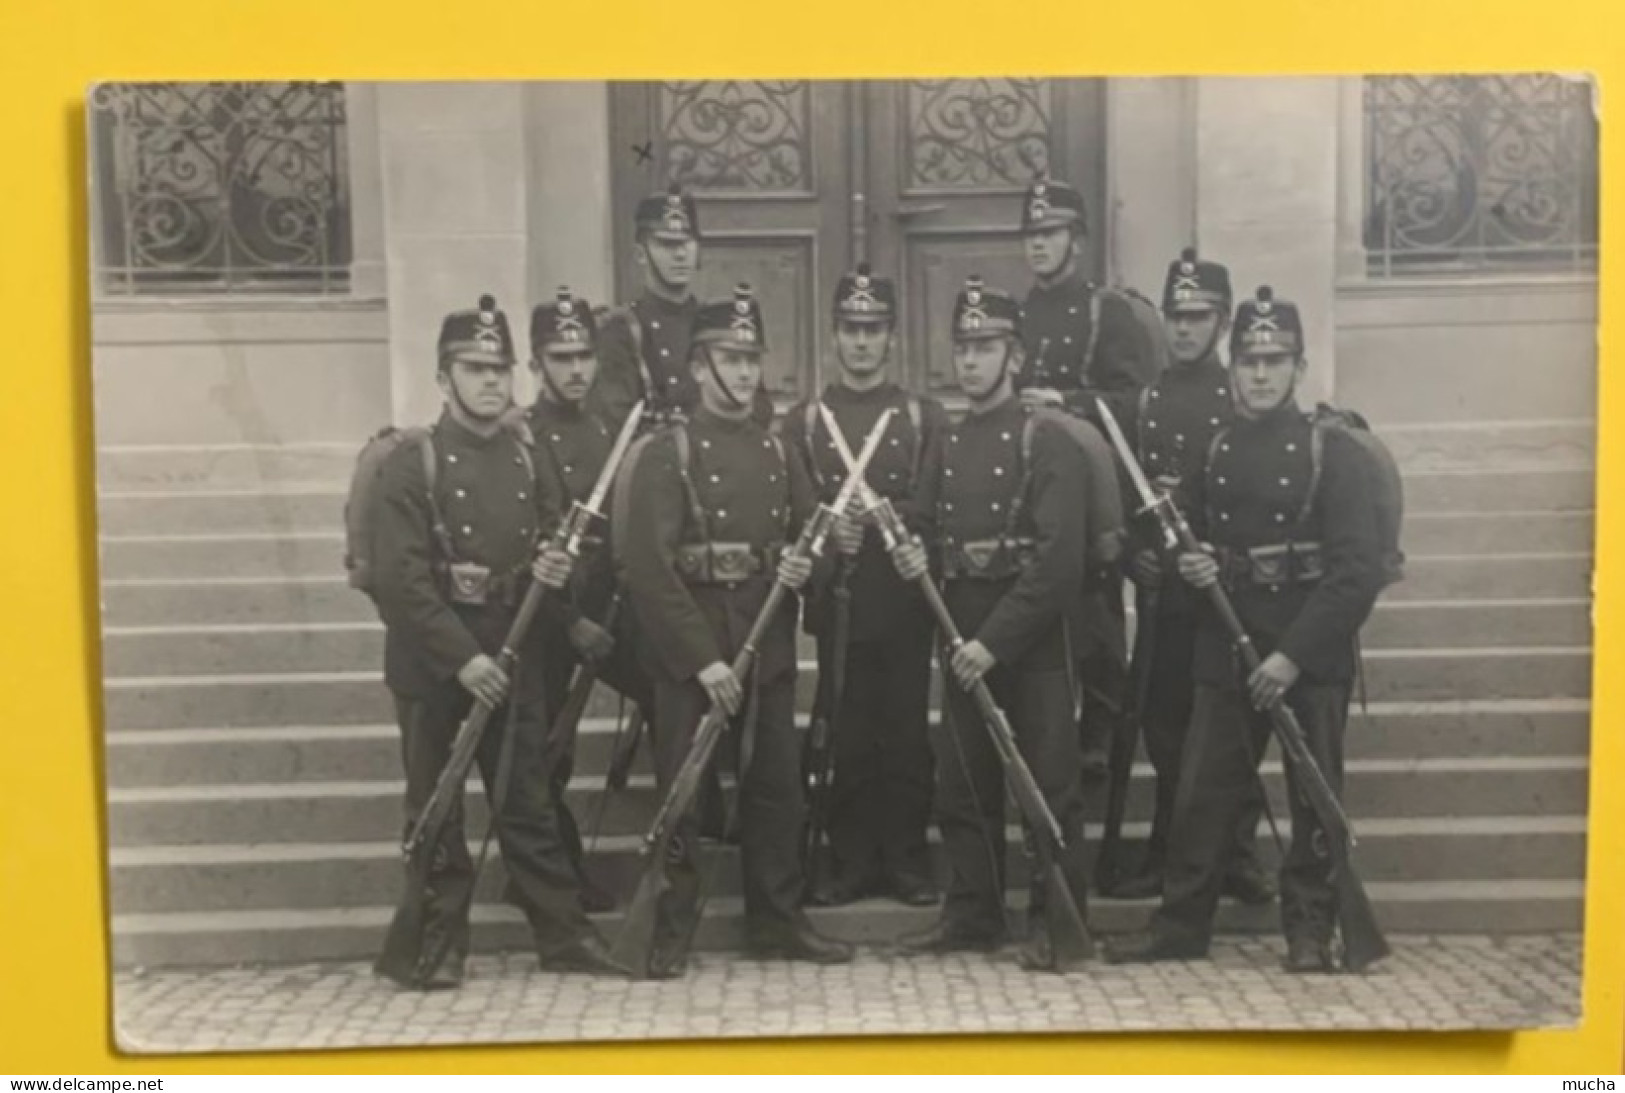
[[518, 461], [949, 471], [569, 469], [654, 324], [462, 493], [665, 353], [1151, 425], [554, 437], [767, 443], [1223, 390], [522, 496], [1004, 436], [894, 442], [1212, 421], [1155, 394], [716, 478], [998, 472], [1280, 518], [1071, 311], [953, 438], [1067, 340], [772, 479], [671, 381], [1286, 481], [1225, 447], [467, 530], [1291, 447], [1179, 438], [452, 458], [1225, 516], [705, 443], [948, 505], [1221, 480], [775, 514], [722, 514], [994, 506]]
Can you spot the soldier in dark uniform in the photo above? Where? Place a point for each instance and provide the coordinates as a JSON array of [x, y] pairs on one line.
[[1071, 360], [1180, 414], [451, 570], [713, 503], [1012, 545], [571, 446], [881, 789], [644, 349], [1289, 514]]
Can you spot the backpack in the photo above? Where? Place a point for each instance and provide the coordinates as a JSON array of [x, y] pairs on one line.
[[361, 503], [1151, 355], [1104, 499], [1381, 473]]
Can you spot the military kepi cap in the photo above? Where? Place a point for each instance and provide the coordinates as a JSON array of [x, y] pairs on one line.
[[479, 335], [1051, 203], [732, 324], [1266, 324], [861, 297], [565, 323], [1195, 284], [981, 312], [671, 215]]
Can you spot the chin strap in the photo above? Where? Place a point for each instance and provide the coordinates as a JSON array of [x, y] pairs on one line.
[[711, 363]]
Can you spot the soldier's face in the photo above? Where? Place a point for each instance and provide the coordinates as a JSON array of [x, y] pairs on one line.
[[1263, 381], [483, 390], [1048, 249], [569, 371], [1191, 333], [983, 365], [862, 346], [672, 259], [732, 372]]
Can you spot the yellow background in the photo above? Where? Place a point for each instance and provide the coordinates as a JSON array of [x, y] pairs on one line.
[[54, 992]]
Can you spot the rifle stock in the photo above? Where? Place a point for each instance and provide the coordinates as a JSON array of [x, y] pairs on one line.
[[821, 733]]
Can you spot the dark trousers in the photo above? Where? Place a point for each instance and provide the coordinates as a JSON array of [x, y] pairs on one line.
[[1169, 691], [540, 880], [880, 793], [770, 806], [971, 790], [559, 662], [1218, 778]]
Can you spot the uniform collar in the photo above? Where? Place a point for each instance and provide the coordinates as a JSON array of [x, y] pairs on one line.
[[1074, 283], [840, 394], [1282, 417], [1009, 408], [457, 433], [650, 302], [546, 409], [716, 422]]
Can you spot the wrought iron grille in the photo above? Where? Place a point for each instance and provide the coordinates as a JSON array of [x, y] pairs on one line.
[[221, 187], [1472, 173], [747, 136], [980, 134]]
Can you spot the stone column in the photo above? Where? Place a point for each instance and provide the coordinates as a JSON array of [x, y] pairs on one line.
[[1150, 178], [567, 189], [453, 161], [1267, 196]]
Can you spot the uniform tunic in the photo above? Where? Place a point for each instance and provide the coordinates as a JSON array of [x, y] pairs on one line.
[[1251, 496], [1056, 331], [1023, 621], [881, 790], [747, 494], [494, 512]]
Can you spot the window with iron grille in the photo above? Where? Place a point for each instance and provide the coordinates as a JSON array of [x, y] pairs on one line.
[[1480, 173], [221, 187]]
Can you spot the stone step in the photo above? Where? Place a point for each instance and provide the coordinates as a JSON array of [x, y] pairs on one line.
[[364, 811], [215, 601], [289, 935], [1493, 576], [1569, 488], [316, 553], [359, 697], [290, 507], [203, 649], [1402, 624], [346, 753], [224, 877], [224, 466], [1507, 532], [1467, 446]]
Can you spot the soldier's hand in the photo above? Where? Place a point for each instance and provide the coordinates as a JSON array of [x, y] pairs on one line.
[[1148, 569], [591, 640], [1034, 397], [484, 678], [1272, 679], [722, 686], [795, 570], [971, 662], [910, 559], [847, 533], [1200, 569], [552, 567]]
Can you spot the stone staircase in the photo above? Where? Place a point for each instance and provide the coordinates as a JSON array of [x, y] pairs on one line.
[[253, 772]]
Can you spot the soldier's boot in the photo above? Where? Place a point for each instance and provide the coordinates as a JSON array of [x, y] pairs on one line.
[[795, 940], [943, 936], [1308, 955], [1151, 946], [584, 955], [1248, 882]]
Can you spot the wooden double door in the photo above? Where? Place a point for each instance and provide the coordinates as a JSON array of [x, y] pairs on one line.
[[798, 181]]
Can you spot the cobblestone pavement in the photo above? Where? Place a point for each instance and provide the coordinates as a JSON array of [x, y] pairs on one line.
[[1428, 983]]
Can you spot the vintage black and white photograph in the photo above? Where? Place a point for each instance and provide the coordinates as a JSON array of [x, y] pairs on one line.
[[594, 561]]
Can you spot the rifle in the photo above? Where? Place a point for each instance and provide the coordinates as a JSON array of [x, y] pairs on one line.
[[1126, 731], [820, 759], [635, 943], [424, 835], [1363, 941], [1072, 940]]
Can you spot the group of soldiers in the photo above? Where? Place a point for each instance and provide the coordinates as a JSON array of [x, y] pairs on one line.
[[1003, 510]]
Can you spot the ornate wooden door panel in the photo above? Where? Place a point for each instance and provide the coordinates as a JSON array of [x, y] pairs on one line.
[[767, 163]]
